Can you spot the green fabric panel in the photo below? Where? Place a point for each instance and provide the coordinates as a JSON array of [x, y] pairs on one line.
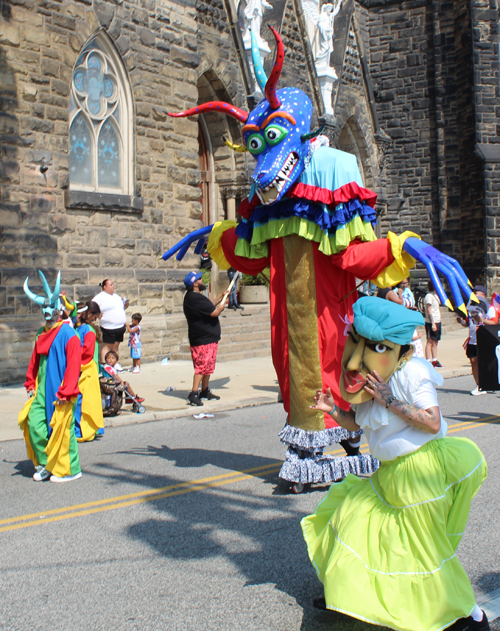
[[74, 457], [328, 244], [37, 420]]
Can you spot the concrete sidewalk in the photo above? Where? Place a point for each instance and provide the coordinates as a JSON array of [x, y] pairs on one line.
[[240, 383]]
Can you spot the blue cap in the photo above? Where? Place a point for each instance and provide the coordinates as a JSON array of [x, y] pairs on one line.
[[191, 278], [378, 319]]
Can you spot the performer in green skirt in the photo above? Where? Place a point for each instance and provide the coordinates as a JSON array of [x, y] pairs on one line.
[[384, 547]]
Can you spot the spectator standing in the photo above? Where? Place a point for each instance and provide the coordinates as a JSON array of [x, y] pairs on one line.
[[204, 333], [233, 296], [134, 341], [478, 314], [432, 319], [113, 319]]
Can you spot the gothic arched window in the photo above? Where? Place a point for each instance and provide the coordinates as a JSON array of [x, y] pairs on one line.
[[101, 122]]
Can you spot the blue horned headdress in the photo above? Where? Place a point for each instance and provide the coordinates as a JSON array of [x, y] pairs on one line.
[[277, 132], [51, 304]]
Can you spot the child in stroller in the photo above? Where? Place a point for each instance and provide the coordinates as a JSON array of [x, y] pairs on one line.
[[113, 386]]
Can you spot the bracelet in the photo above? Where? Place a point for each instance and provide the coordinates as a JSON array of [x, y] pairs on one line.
[[333, 410], [390, 401]]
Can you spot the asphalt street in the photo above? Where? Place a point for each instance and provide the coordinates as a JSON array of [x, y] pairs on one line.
[[182, 525]]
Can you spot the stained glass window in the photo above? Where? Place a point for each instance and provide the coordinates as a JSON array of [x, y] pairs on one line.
[[100, 146], [81, 149], [109, 158]]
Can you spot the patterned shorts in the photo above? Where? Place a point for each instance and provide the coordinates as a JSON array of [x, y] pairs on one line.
[[204, 358], [135, 351]]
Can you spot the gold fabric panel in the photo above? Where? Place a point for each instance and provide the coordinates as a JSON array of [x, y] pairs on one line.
[[303, 345]]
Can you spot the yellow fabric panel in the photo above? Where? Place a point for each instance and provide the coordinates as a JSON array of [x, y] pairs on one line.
[[403, 262], [214, 246], [22, 420], [57, 450], [92, 418], [303, 343]]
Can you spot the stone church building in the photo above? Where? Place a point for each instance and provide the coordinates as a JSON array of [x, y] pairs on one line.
[[98, 182]]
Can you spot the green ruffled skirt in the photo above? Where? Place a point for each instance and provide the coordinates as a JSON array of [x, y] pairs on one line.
[[384, 547]]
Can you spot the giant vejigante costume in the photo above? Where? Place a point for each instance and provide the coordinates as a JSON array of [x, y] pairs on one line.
[[47, 419], [310, 219], [384, 547]]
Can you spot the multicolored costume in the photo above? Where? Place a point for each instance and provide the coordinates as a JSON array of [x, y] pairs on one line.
[[88, 411], [384, 547], [309, 217], [52, 375]]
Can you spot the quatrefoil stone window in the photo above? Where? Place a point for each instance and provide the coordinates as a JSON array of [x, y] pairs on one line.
[[95, 86]]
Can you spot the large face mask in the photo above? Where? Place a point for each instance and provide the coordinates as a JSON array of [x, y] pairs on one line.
[[361, 357]]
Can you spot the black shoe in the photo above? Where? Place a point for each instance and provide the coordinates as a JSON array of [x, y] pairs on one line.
[[240, 307], [207, 394], [194, 399], [319, 603], [469, 624], [349, 449]]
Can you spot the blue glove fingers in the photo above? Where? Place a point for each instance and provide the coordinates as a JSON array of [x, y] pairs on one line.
[[183, 250], [188, 239], [463, 282], [436, 282], [199, 246], [449, 272]]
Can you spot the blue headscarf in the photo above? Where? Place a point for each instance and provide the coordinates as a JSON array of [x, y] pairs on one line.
[[378, 319]]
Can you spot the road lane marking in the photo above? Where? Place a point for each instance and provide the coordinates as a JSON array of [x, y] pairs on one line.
[[141, 497]]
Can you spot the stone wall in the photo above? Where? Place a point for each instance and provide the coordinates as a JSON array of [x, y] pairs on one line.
[[44, 224]]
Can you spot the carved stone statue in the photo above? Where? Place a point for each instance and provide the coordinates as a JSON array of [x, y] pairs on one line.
[[320, 28], [253, 14], [321, 22]]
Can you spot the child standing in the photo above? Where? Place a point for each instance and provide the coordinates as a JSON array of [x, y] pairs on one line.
[[134, 341]]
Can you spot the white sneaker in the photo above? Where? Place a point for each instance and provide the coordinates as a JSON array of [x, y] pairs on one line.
[[66, 478], [41, 474], [136, 370], [119, 367], [476, 392]]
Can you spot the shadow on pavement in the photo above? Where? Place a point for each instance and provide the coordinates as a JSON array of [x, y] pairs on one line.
[[256, 533]]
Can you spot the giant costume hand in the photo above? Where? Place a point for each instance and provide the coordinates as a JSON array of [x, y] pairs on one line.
[[435, 262], [183, 245]]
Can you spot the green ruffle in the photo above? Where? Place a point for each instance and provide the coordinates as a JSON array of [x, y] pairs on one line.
[[328, 244]]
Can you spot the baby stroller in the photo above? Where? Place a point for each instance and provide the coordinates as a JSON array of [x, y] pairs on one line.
[[112, 392]]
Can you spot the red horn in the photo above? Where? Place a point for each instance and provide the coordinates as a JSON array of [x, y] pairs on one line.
[[215, 106], [272, 82]]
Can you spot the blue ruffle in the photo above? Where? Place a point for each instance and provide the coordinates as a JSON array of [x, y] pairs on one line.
[[329, 221]]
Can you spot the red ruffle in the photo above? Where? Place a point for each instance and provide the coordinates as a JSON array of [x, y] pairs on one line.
[[332, 198], [246, 208]]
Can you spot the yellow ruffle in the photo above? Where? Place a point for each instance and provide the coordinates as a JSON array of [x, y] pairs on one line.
[[214, 246], [403, 262], [328, 243]]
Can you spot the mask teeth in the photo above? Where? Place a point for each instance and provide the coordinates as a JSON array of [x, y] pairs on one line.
[[283, 176]]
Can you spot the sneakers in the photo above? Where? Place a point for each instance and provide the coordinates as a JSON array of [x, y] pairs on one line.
[[469, 624], [136, 370], [65, 478], [194, 399], [100, 432], [240, 307], [208, 394], [139, 399], [118, 367], [476, 392], [436, 364], [41, 474]]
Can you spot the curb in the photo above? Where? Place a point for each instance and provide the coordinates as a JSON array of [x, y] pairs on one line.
[[164, 415]]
